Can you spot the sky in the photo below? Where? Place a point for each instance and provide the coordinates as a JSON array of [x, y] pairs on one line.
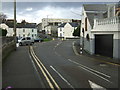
[[33, 12]]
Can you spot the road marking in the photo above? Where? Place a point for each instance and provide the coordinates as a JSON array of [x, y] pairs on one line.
[[61, 77], [91, 71], [57, 53], [94, 86], [41, 66]]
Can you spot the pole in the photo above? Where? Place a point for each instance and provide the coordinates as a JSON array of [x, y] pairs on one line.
[[15, 18], [47, 24]]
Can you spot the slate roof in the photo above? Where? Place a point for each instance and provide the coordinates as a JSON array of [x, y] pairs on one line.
[[62, 25], [26, 25], [21, 25], [73, 24]]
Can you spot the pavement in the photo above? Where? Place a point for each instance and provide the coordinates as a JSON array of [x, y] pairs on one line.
[[104, 59], [18, 71]]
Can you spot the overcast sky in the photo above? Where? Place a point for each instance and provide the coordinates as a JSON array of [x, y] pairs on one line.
[[35, 11]]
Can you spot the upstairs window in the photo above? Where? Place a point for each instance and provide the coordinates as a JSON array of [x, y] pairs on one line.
[[32, 30], [23, 30]]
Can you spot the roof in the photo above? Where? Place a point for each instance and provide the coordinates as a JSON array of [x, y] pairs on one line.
[[26, 25], [62, 25], [21, 25], [95, 7], [74, 24], [92, 9]]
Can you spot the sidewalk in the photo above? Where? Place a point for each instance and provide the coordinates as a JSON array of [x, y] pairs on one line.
[[18, 71], [102, 58]]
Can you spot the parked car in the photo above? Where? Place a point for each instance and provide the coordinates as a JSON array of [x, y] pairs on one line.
[[26, 41], [38, 40]]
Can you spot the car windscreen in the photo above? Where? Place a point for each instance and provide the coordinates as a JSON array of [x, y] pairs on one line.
[[28, 38]]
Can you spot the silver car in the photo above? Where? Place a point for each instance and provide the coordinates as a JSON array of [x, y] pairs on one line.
[[26, 41]]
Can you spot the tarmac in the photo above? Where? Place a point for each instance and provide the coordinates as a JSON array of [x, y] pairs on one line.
[[103, 59]]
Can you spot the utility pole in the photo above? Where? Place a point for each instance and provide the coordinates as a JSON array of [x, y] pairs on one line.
[[15, 19]]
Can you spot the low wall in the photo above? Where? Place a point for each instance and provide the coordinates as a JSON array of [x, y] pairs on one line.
[[8, 45]]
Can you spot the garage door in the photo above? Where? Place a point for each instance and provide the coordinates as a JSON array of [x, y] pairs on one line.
[[104, 45]]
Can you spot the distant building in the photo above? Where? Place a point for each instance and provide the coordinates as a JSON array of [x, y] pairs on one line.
[[23, 29], [50, 24], [66, 29], [100, 29], [26, 30]]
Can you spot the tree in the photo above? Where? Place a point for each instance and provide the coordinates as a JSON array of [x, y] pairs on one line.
[[2, 17], [77, 31]]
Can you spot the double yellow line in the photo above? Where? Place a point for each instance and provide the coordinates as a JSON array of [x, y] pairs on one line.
[[44, 71]]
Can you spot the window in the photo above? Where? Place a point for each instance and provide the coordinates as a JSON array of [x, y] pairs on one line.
[[32, 30], [23, 39], [86, 24], [23, 35], [32, 35], [23, 30], [60, 29], [28, 38]]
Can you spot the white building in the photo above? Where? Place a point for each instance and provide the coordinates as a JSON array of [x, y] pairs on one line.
[[66, 30], [100, 29], [22, 29], [50, 24], [26, 30]]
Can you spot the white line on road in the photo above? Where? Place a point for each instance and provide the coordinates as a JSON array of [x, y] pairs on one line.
[[62, 77], [94, 86], [57, 53], [91, 71]]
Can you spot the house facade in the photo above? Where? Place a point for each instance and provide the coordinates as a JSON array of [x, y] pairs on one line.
[[100, 29], [66, 30], [23, 29]]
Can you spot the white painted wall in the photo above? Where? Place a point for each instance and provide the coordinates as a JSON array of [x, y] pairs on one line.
[[28, 32], [60, 32]]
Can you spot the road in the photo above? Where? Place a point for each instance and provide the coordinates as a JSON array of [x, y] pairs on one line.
[[54, 64], [69, 70]]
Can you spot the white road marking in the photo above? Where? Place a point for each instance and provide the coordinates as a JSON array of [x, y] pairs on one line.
[[62, 77], [94, 86], [88, 69], [57, 54]]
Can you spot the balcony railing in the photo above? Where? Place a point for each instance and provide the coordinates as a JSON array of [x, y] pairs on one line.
[[107, 24], [112, 20]]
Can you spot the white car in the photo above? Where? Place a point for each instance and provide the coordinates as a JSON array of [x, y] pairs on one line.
[[26, 41]]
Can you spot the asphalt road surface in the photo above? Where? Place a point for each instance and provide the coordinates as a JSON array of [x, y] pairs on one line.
[[73, 71], [54, 64]]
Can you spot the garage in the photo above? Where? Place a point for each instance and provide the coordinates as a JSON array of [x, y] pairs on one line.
[[104, 45]]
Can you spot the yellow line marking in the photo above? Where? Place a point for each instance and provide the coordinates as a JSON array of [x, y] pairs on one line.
[[50, 84], [38, 60]]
